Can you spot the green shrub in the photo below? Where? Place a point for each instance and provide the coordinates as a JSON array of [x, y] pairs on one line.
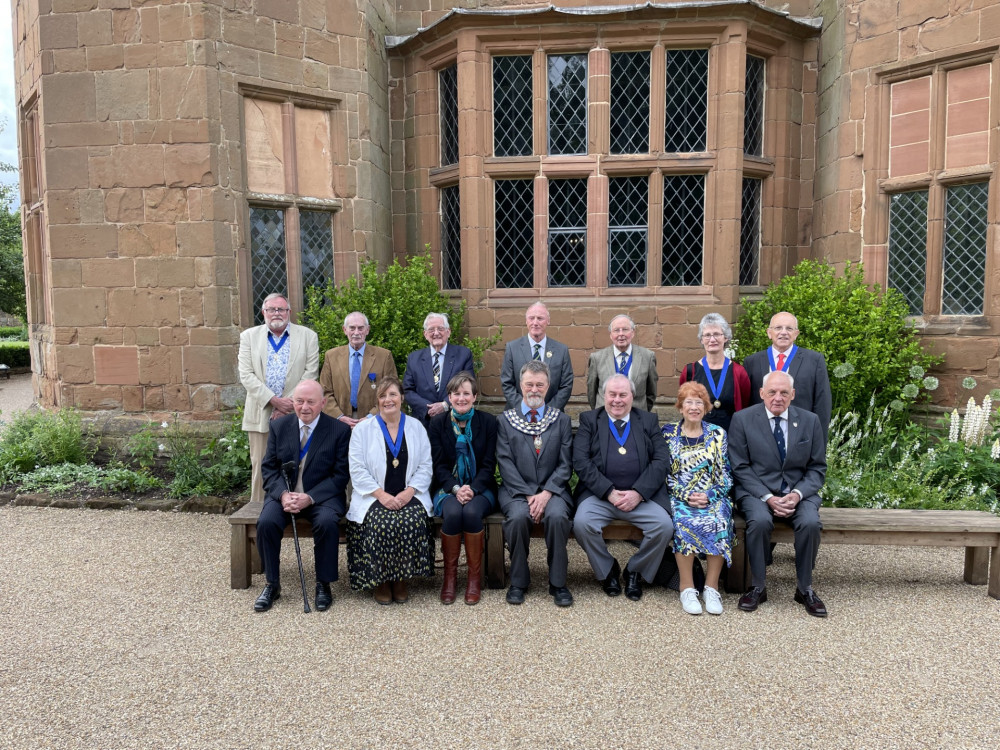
[[69, 477], [13, 333], [35, 439], [15, 353], [221, 467], [860, 329], [396, 303]]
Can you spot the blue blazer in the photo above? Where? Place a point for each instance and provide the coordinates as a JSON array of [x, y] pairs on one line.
[[418, 382]]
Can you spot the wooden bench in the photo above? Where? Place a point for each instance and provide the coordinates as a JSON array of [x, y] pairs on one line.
[[977, 531]]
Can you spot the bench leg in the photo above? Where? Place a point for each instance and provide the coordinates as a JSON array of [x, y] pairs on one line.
[[976, 565], [239, 558], [256, 566], [994, 583], [737, 576], [493, 552]]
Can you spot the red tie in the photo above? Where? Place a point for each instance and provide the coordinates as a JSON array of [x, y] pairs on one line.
[[781, 360], [534, 416]]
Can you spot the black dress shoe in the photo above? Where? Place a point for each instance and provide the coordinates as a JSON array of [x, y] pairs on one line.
[[515, 595], [755, 596], [561, 595], [813, 604], [612, 584], [633, 585], [323, 596], [270, 594]]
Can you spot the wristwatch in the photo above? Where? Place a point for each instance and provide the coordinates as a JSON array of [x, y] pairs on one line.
[[455, 489]]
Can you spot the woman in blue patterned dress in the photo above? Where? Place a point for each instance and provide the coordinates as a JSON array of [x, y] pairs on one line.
[[699, 483]]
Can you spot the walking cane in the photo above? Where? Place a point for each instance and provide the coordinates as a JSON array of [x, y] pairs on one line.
[[288, 471]]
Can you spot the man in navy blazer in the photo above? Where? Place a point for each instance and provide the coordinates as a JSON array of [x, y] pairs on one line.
[[538, 347], [318, 445], [807, 368], [429, 370], [778, 457]]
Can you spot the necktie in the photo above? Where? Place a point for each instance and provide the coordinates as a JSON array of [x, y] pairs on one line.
[[533, 416], [437, 368], [781, 360], [355, 378], [538, 352], [779, 438], [623, 358], [305, 436], [619, 425]]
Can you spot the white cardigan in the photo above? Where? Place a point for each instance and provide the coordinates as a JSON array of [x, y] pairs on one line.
[[367, 456]]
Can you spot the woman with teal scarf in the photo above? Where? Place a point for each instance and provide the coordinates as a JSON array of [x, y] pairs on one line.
[[463, 451]]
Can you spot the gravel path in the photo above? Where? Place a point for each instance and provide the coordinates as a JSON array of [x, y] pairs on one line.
[[119, 630], [15, 395]]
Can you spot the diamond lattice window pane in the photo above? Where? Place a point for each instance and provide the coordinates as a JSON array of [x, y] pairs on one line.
[[567, 76], [514, 208], [512, 99], [568, 232], [448, 103], [750, 232], [628, 249], [907, 270], [267, 255], [316, 238], [687, 100], [630, 102], [753, 112], [683, 229], [451, 242], [964, 278]]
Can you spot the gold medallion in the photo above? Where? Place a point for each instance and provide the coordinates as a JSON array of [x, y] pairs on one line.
[[395, 463], [717, 403], [538, 442], [622, 450]]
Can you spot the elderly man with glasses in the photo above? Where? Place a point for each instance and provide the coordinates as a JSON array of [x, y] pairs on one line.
[[429, 370], [623, 357]]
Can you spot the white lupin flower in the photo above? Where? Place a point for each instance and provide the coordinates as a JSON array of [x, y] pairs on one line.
[[954, 426], [995, 450]]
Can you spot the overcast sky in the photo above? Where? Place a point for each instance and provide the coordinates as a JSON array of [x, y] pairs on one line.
[[8, 106]]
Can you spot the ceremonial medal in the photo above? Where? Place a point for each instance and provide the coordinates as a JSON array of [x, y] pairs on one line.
[[538, 443], [395, 463], [622, 450], [716, 388], [393, 446], [716, 403], [620, 439]]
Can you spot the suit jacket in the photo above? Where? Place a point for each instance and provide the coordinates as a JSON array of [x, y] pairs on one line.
[[590, 451], [525, 473], [601, 366], [336, 379], [484, 446], [756, 464], [326, 471], [812, 382], [303, 364], [517, 352], [418, 382]]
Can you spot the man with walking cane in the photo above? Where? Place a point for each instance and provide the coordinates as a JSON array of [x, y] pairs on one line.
[[305, 473]]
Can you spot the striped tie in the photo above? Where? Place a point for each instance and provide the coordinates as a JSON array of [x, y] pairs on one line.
[[538, 353], [437, 369]]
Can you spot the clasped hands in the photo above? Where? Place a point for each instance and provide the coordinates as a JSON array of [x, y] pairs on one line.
[[395, 502], [537, 503], [280, 406], [465, 494], [624, 500], [783, 506], [293, 502]]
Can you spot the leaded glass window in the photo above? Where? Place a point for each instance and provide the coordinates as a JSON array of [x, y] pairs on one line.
[[568, 232], [567, 78], [629, 102], [963, 280], [683, 229], [628, 230], [750, 232], [686, 120], [267, 255], [753, 112], [448, 104], [512, 100], [316, 247], [451, 244], [514, 209], [907, 271]]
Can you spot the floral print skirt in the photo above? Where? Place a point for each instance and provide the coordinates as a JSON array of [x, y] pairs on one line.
[[390, 545]]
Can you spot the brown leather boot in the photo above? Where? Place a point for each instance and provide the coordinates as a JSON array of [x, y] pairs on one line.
[[400, 594], [451, 545], [474, 558], [383, 593]]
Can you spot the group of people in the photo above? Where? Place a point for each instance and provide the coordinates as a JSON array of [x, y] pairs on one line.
[[739, 440]]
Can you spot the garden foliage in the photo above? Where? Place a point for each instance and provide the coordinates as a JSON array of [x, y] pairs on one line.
[[34, 439]]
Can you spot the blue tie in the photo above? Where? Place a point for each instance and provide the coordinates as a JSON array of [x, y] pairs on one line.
[[355, 378], [779, 438]]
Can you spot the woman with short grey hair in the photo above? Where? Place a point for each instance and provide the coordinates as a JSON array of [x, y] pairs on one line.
[[727, 383]]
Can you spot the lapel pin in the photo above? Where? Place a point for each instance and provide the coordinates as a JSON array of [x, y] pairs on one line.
[[548, 355]]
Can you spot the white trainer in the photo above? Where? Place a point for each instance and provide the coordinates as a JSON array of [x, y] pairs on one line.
[[713, 602], [689, 600]]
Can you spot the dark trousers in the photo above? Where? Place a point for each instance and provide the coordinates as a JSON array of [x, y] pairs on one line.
[[271, 527], [517, 531], [804, 522], [457, 518]]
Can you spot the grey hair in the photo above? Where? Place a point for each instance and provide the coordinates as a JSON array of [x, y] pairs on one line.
[[533, 365], [271, 296], [622, 315], [431, 316], [791, 380], [618, 376], [356, 312], [714, 319]]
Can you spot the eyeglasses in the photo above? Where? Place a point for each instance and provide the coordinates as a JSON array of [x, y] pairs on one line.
[[276, 310], [710, 336], [692, 402], [436, 329]]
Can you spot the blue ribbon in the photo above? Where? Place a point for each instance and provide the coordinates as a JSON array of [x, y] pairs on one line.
[[277, 347], [788, 359], [305, 448], [621, 440], [392, 446], [717, 389]]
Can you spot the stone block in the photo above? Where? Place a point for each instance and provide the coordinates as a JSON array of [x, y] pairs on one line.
[[205, 398], [192, 307], [32, 500], [123, 206], [65, 502], [97, 397], [165, 205], [176, 398], [203, 504], [284, 69], [69, 97], [209, 364], [202, 238], [93, 335], [188, 164], [106, 503], [122, 95], [159, 365], [141, 240], [67, 169], [153, 398], [82, 241], [206, 336], [94, 28], [109, 272], [164, 273], [141, 336], [183, 93], [81, 134], [73, 6], [76, 363], [116, 365], [162, 504], [66, 273], [79, 307], [58, 31], [109, 57], [143, 307]]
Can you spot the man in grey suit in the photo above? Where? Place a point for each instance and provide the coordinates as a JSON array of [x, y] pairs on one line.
[[624, 357], [534, 456], [808, 368], [621, 460], [538, 347], [273, 359], [778, 457]]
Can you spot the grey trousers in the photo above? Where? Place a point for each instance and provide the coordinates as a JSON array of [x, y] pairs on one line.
[[592, 515], [517, 531], [258, 447], [804, 522]]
